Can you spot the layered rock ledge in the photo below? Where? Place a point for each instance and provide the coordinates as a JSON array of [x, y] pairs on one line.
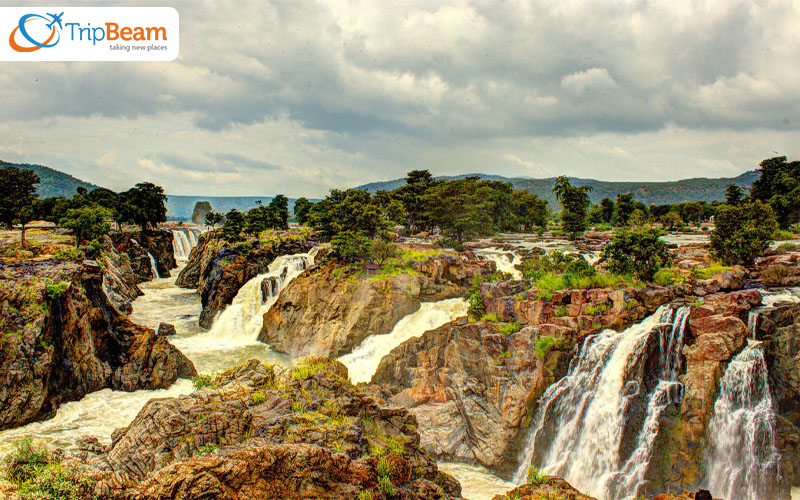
[[62, 339]]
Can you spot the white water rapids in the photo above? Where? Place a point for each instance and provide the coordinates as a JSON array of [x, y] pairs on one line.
[[578, 428], [505, 261], [364, 360], [183, 240]]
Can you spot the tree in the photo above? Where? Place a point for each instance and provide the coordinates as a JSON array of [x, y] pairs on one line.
[[743, 232], [458, 210], [416, 217], [351, 246], [607, 209], [671, 221], [530, 210], [279, 206], [638, 252], [351, 210], [624, 210], [733, 194], [87, 222], [301, 208], [382, 250], [574, 204], [638, 218], [234, 226], [213, 219], [144, 205], [201, 209], [17, 194], [779, 185]]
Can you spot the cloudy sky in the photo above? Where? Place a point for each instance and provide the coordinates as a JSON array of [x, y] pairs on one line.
[[300, 96]]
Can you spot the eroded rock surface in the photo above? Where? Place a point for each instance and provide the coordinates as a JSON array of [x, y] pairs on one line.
[[63, 339], [330, 309]]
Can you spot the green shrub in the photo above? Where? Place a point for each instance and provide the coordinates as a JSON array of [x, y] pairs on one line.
[[474, 298], [505, 355], [204, 380], [305, 369], [595, 309], [206, 449], [365, 495], [258, 397], [535, 477], [787, 247], [384, 468], [490, 318], [742, 232], [638, 252], [510, 328], [561, 311], [631, 304], [55, 290], [665, 277], [712, 269], [543, 346], [386, 486], [782, 234], [773, 275], [40, 476]]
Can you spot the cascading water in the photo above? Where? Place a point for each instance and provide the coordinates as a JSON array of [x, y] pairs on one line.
[[742, 462], [153, 266], [364, 360], [183, 241], [240, 323], [577, 432], [502, 260]]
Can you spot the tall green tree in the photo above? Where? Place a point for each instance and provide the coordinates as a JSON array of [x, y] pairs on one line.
[[779, 185], [87, 222], [416, 217], [733, 194], [624, 210], [607, 209], [638, 252], [280, 208], [743, 232], [457, 208], [144, 205], [301, 209], [530, 210], [201, 208], [574, 204], [234, 226], [17, 195]]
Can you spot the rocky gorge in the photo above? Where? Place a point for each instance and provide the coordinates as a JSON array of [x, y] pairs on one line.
[[472, 390]]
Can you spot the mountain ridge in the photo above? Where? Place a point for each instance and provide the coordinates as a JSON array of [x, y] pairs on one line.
[[650, 192]]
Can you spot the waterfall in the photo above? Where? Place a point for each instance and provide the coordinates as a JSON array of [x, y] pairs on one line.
[[502, 260], [240, 323], [742, 462], [578, 430], [153, 266], [183, 241], [364, 360]]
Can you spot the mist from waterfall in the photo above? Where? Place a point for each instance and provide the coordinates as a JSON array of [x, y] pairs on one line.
[[577, 432], [742, 460]]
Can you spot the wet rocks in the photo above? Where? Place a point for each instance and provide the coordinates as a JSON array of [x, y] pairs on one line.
[[330, 309], [269, 433], [551, 488], [137, 245], [63, 339], [165, 330]]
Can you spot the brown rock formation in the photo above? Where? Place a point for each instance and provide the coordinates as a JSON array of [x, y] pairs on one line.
[[63, 339], [269, 433], [137, 244], [330, 309]]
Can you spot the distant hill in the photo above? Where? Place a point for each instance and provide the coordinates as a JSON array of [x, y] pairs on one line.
[[659, 193], [53, 182]]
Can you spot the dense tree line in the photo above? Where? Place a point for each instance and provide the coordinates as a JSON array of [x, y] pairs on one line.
[[88, 213], [236, 224], [460, 209]]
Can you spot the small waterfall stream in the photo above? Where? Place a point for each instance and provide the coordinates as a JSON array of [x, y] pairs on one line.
[[504, 260], [183, 241], [742, 461], [364, 360], [578, 430]]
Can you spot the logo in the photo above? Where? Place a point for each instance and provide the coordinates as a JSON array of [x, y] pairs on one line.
[[89, 34], [22, 28]]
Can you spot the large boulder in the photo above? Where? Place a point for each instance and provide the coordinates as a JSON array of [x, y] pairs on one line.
[[330, 309], [64, 339]]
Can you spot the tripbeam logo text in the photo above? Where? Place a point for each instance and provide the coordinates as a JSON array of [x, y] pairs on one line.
[[90, 34]]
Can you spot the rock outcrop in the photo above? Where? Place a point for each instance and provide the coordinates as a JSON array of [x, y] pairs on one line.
[[330, 309], [119, 279], [263, 432], [549, 487], [218, 271], [137, 245], [473, 386], [63, 339]]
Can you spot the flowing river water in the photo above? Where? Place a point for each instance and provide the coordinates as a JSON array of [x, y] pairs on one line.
[[230, 341]]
